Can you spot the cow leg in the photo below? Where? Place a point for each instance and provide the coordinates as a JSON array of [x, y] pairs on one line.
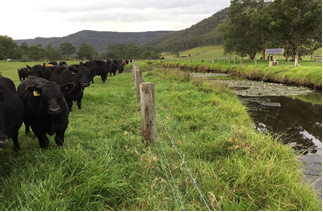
[[27, 129], [78, 101], [59, 137], [103, 78], [69, 103], [16, 145], [42, 138]]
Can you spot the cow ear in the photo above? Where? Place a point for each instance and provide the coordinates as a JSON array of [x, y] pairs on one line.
[[29, 68], [67, 87], [93, 71], [73, 70], [34, 90]]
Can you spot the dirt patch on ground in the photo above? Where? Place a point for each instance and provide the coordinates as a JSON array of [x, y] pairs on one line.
[[127, 71]]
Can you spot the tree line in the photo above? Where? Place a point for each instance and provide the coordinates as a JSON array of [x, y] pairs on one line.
[[256, 25], [10, 50]]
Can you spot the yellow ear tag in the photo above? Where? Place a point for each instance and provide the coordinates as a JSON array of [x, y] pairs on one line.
[[73, 72], [36, 93]]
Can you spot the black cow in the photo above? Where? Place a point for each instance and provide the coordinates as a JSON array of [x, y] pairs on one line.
[[11, 112], [62, 63], [53, 63], [23, 73], [80, 76], [40, 71], [46, 110], [101, 68]]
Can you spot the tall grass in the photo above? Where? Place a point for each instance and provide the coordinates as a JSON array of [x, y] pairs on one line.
[[104, 165]]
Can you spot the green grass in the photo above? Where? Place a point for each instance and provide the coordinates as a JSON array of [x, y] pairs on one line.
[[307, 75], [213, 52], [104, 165]]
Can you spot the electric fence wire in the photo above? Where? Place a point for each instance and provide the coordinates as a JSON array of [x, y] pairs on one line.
[[164, 167], [170, 171], [173, 144]]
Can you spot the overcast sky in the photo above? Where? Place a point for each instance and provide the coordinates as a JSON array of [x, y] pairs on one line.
[[25, 19]]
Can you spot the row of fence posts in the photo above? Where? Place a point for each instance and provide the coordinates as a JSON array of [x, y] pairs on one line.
[[147, 105], [234, 61]]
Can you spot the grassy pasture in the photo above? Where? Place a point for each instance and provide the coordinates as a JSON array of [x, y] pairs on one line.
[[213, 52], [104, 165]]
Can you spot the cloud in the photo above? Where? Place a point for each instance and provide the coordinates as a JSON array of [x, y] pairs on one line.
[[35, 18]]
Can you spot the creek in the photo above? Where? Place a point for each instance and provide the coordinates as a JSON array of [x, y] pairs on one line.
[[291, 114]]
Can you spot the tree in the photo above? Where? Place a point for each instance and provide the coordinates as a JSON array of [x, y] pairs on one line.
[[67, 49], [7, 46], [133, 51], [87, 51], [24, 47], [53, 54], [295, 21], [240, 34], [35, 52]]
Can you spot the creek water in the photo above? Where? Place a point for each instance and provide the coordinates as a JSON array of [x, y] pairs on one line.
[[296, 120]]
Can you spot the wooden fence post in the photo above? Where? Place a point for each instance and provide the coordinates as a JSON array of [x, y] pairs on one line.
[[138, 80], [134, 68], [147, 111], [316, 62]]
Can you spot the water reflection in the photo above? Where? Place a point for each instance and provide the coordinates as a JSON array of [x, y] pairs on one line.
[[297, 123]]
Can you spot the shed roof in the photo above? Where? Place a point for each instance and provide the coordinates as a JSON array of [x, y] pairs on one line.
[[274, 51]]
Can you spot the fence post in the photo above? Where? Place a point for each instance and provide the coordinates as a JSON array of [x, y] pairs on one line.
[[147, 111], [138, 80], [255, 61], [316, 62], [134, 68]]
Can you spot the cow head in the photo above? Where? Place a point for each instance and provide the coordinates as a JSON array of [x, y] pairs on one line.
[[86, 75], [36, 70], [51, 95]]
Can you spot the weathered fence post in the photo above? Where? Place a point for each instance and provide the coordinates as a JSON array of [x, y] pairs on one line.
[[147, 111], [218, 59], [213, 60], [255, 61], [240, 62], [138, 80], [134, 68], [315, 63]]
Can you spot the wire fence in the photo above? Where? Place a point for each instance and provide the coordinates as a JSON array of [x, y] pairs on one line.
[[159, 147]]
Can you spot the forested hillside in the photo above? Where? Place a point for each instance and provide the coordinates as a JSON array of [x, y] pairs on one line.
[[99, 40], [202, 33]]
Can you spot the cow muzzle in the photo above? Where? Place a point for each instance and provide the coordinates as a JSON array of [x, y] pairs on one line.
[[85, 84], [54, 110], [3, 142]]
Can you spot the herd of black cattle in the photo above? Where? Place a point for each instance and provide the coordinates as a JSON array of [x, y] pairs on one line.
[[45, 96]]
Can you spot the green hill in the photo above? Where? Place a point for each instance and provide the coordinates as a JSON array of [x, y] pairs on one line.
[[202, 33], [98, 39]]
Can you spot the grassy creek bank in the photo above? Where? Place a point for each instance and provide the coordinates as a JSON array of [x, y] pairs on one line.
[[308, 76], [104, 165]]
